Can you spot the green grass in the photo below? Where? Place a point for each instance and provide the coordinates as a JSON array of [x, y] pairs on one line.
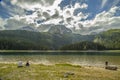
[[56, 72], [113, 50]]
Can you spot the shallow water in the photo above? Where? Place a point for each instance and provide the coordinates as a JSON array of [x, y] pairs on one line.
[[77, 58]]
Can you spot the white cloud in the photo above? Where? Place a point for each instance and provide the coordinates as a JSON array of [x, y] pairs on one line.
[[103, 3], [104, 17], [115, 2], [53, 21], [72, 20], [50, 12], [10, 9], [82, 16], [14, 2], [84, 6], [14, 23], [31, 4], [77, 5], [2, 22], [103, 21], [42, 2]]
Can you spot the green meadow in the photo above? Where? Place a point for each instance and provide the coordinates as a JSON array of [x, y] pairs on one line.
[[56, 72]]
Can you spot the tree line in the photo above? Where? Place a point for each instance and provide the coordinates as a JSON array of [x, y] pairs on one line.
[[85, 45]]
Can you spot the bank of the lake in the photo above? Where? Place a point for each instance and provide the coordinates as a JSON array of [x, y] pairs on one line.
[[93, 58], [116, 51], [56, 72]]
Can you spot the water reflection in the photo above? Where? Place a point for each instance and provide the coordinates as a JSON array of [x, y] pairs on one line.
[[78, 58]]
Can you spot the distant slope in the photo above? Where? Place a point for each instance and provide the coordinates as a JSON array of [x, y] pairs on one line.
[[105, 40], [38, 39], [22, 39], [110, 39], [18, 39]]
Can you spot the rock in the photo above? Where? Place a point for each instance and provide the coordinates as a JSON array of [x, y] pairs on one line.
[[67, 74], [111, 67], [70, 73], [20, 64]]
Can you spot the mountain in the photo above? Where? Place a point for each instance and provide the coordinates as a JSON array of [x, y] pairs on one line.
[[28, 28], [44, 28], [44, 39], [105, 40], [22, 39], [51, 28], [59, 29], [110, 39]]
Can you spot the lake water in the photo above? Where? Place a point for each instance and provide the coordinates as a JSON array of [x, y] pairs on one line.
[[77, 58]]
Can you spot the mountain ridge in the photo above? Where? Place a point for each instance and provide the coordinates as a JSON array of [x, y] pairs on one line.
[[52, 41]]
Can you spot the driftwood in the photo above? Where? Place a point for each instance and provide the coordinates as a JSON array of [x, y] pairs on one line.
[[111, 67]]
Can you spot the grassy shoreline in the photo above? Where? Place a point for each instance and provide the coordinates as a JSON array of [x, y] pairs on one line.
[[56, 72], [116, 51]]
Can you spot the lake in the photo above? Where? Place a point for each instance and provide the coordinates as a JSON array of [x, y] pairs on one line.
[[48, 58]]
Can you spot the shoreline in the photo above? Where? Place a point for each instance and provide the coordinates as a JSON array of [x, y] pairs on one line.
[[56, 72], [116, 51], [53, 64]]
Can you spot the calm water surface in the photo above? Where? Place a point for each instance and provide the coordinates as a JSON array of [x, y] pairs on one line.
[[77, 58]]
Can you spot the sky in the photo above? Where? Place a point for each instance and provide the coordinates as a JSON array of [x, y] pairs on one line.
[[84, 16]]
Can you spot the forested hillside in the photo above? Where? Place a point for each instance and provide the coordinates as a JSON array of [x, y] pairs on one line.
[[110, 39], [27, 40], [85, 45], [21, 39]]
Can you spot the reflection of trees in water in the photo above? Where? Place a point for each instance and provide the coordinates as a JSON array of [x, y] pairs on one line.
[[84, 59]]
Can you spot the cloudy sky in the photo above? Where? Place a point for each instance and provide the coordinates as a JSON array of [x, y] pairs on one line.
[[85, 16]]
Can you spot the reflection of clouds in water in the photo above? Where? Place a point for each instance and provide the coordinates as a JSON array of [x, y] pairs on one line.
[[42, 61], [86, 60], [81, 61]]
